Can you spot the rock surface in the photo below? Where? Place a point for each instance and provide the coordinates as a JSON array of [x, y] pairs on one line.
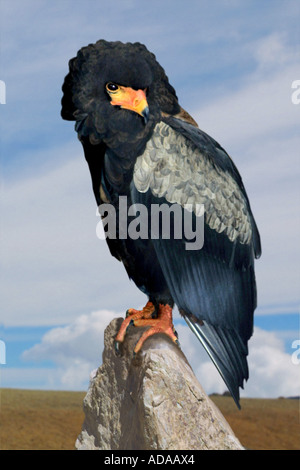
[[150, 402]]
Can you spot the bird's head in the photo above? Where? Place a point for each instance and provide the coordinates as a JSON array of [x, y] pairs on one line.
[[116, 92]]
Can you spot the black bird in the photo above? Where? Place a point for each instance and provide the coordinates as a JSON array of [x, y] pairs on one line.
[[139, 143]]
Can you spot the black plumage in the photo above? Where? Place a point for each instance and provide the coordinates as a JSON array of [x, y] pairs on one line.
[[162, 157]]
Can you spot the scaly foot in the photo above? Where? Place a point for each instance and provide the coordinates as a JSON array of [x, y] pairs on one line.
[[161, 324]]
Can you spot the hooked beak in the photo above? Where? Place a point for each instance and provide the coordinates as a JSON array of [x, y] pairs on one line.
[[134, 100], [146, 113]]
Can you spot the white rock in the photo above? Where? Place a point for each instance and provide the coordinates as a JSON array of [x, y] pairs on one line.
[[150, 402]]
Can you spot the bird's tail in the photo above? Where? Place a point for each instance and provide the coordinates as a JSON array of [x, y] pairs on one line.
[[227, 352]]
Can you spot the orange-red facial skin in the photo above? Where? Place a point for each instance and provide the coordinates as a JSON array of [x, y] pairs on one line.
[[128, 98]]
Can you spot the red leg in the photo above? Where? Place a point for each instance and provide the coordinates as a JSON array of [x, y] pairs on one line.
[[162, 324], [131, 316]]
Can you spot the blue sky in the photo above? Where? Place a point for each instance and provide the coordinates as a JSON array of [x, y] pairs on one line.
[[232, 64]]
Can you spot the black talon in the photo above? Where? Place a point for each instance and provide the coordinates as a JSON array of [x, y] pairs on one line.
[[117, 348]]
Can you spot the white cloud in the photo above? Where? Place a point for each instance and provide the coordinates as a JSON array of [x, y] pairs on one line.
[[272, 372], [77, 340], [76, 350]]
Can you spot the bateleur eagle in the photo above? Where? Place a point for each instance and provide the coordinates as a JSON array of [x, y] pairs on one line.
[[140, 144]]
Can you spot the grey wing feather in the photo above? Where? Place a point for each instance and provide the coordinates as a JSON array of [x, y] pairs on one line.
[[214, 288], [175, 169]]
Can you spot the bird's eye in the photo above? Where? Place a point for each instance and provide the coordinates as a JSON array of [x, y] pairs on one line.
[[112, 87]]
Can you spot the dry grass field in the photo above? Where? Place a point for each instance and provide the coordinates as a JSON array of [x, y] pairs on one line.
[[50, 420], [263, 424], [39, 420]]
